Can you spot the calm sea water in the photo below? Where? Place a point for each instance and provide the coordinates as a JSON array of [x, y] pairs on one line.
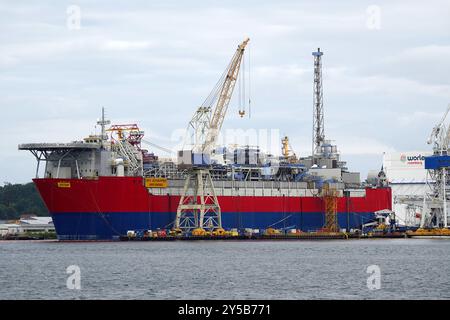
[[410, 269]]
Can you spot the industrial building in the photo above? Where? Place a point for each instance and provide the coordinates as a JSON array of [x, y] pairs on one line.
[[407, 176], [27, 224]]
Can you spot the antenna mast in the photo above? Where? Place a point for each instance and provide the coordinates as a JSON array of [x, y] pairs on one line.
[[103, 123]]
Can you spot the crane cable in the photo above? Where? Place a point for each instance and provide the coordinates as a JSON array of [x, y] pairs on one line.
[[213, 95], [244, 86], [157, 146], [239, 97], [249, 82]]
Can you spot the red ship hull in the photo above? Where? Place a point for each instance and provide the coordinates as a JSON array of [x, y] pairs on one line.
[[107, 207]]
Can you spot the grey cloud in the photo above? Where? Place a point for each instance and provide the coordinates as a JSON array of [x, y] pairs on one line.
[[154, 62]]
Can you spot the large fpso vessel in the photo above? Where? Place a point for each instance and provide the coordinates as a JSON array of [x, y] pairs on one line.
[[106, 185]]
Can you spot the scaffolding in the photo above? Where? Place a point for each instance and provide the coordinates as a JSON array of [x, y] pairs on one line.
[[330, 199]]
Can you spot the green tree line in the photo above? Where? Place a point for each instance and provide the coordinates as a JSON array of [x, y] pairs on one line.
[[18, 199]]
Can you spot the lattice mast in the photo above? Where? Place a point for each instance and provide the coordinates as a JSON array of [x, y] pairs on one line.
[[103, 123], [318, 116]]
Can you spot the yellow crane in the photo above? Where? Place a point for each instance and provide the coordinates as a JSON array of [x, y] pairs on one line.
[[226, 91], [287, 150], [198, 208]]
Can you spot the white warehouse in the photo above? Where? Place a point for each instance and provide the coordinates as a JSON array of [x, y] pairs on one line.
[[407, 176]]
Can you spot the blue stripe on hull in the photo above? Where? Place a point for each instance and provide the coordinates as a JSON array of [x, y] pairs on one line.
[[109, 226]]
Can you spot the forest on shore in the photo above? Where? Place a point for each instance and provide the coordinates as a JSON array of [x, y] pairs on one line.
[[20, 199]]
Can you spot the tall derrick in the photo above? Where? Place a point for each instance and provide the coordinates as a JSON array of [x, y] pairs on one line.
[[318, 117]]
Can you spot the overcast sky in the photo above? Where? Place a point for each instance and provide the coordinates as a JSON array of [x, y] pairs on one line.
[[386, 70]]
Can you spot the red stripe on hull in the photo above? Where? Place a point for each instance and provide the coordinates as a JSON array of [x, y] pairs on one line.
[[128, 194]]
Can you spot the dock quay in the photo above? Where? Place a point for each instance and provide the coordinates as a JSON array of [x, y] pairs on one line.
[[298, 237]]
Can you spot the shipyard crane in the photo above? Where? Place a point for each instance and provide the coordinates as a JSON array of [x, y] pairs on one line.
[[434, 213], [439, 135], [198, 208]]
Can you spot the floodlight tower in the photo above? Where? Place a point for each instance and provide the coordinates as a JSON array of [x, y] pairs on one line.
[[318, 123]]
